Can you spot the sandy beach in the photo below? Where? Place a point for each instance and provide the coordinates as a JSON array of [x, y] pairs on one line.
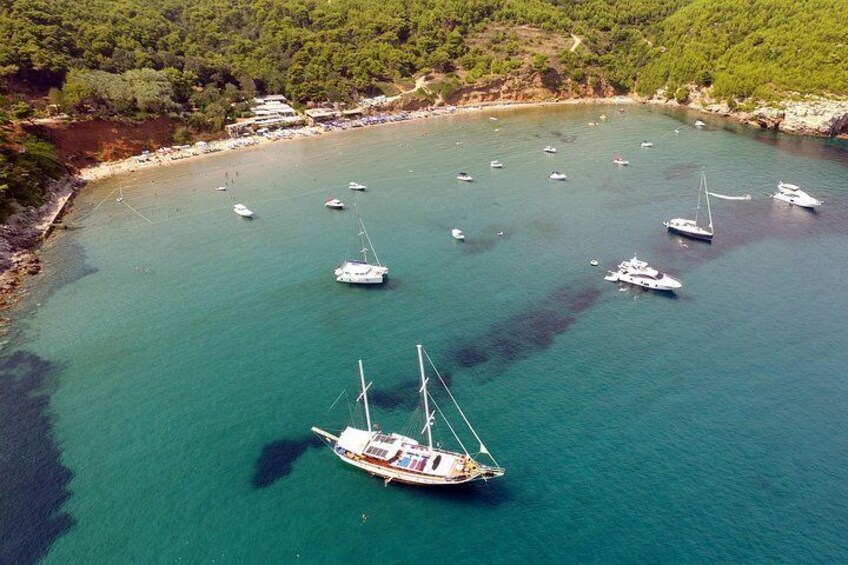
[[171, 155]]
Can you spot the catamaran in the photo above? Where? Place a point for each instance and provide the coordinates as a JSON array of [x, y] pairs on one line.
[[690, 228], [355, 271], [397, 457]]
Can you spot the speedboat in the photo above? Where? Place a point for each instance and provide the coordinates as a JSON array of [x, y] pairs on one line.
[[620, 161], [647, 144], [458, 234], [356, 186], [639, 273], [464, 177], [550, 149], [221, 188], [243, 211], [334, 203], [496, 164], [556, 175], [699, 124], [797, 197]]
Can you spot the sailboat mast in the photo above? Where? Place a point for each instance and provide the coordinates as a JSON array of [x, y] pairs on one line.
[[364, 395], [707, 197], [424, 395], [698, 207]]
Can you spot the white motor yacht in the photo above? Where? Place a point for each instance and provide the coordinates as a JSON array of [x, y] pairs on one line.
[[550, 149], [797, 197], [641, 274], [496, 164], [243, 211], [221, 188], [464, 177], [458, 234], [334, 203], [356, 186], [556, 175], [621, 161], [647, 144], [699, 124]]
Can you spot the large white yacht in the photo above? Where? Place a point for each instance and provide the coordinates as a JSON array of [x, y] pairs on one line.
[[641, 274], [400, 458], [793, 194]]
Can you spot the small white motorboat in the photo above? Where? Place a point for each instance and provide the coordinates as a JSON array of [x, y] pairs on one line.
[[334, 203], [603, 116], [556, 175], [593, 124], [458, 234], [647, 143], [356, 186], [550, 149], [618, 160], [221, 188], [493, 119], [243, 211], [496, 164], [797, 197], [464, 177], [699, 124], [641, 274]]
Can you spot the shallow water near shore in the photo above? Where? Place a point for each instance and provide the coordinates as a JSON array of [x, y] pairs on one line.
[[185, 352]]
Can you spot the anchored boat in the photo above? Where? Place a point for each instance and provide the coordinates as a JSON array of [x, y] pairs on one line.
[[355, 271], [690, 228], [397, 457]]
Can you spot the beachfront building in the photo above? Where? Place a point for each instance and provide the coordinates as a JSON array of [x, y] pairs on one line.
[[271, 111]]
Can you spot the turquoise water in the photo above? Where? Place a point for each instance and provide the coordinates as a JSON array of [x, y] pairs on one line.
[[186, 353]]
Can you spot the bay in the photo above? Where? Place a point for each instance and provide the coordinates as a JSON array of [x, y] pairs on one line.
[[185, 342]]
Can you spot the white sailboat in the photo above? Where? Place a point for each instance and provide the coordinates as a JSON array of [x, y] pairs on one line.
[[355, 271], [397, 457], [690, 228]]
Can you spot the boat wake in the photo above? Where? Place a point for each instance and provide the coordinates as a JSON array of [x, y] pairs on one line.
[[728, 197]]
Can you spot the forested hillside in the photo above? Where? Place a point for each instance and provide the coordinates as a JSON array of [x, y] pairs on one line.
[[203, 55], [199, 61], [760, 48]]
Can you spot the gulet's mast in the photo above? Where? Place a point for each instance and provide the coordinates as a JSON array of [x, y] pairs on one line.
[[428, 417], [364, 395]]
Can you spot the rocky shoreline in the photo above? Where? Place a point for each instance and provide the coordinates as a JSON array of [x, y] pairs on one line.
[[809, 116], [23, 232]]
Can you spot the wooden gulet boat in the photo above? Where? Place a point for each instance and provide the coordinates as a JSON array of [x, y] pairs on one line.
[[395, 457]]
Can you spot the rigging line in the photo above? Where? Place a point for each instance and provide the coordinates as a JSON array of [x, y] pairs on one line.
[[140, 215], [461, 413], [344, 391], [93, 210], [442, 414]]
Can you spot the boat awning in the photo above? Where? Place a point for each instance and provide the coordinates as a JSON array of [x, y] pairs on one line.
[[354, 440]]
